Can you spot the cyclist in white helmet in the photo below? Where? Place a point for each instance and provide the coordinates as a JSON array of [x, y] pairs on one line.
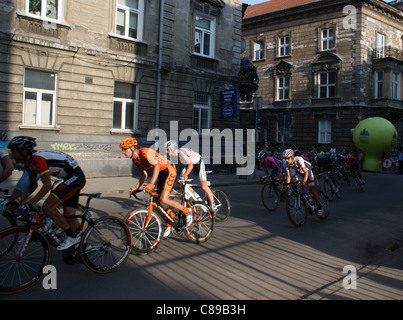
[[194, 163], [303, 169]]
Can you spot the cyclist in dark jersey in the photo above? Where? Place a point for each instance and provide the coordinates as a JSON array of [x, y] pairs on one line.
[[47, 164]]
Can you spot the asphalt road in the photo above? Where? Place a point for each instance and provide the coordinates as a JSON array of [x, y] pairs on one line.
[[254, 255]]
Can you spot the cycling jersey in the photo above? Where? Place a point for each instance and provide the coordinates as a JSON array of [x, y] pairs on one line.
[[298, 164], [270, 163], [325, 163], [352, 162], [197, 161], [146, 154], [167, 174], [58, 164]]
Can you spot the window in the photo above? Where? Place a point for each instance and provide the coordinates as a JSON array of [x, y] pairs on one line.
[[328, 39], [204, 36], [327, 84], [129, 18], [396, 86], [39, 98], [201, 112], [283, 88], [378, 84], [124, 107], [258, 50], [50, 10], [284, 46], [325, 131], [380, 46]]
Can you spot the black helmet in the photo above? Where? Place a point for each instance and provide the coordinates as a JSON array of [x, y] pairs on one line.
[[22, 143]]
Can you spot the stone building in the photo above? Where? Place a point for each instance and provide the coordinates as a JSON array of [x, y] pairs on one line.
[[81, 75], [323, 67]]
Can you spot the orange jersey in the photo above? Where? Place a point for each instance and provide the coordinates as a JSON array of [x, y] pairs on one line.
[[146, 154]]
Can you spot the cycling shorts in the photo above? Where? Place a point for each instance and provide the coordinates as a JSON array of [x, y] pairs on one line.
[[200, 169], [166, 179], [311, 178], [68, 192]]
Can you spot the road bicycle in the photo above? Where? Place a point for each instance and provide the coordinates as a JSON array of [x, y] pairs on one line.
[[25, 250], [273, 193], [328, 186], [300, 203], [147, 224], [221, 200]]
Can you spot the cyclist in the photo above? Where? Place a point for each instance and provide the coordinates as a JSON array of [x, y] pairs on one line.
[[353, 164], [163, 174], [194, 163], [303, 169], [276, 166], [47, 164], [325, 164]]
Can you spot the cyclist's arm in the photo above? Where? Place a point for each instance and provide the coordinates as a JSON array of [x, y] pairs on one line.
[[288, 175], [143, 178], [8, 168], [155, 174], [306, 175], [189, 168], [46, 187]]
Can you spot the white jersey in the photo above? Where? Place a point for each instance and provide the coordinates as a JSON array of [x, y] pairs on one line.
[[299, 162], [186, 153]]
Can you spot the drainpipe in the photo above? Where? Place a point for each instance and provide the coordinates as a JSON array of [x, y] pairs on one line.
[[160, 45]]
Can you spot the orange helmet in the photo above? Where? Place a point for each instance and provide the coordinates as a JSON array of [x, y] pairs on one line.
[[128, 142]]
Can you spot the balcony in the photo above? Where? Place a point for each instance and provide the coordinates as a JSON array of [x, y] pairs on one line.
[[387, 52]]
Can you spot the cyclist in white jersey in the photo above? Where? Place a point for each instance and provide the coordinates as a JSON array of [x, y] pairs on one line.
[[194, 163], [302, 169]]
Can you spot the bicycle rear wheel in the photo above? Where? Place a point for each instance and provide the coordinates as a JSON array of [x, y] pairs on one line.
[[18, 272], [222, 204], [145, 237], [297, 212], [106, 244], [203, 223], [270, 196]]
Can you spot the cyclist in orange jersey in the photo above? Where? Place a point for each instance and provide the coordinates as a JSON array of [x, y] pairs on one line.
[[163, 173]]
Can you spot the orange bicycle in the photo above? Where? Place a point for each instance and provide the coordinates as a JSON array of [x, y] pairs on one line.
[[147, 224]]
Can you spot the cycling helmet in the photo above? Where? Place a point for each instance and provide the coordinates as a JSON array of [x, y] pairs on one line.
[[128, 142], [22, 143], [261, 155], [170, 144], [288, 153]]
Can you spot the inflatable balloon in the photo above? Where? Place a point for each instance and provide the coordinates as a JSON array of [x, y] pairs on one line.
[[374, 136]]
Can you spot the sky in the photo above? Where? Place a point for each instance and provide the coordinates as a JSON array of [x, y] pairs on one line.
[[251, 2]]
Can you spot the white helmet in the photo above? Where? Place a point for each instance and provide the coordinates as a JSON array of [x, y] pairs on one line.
[[288, 153]]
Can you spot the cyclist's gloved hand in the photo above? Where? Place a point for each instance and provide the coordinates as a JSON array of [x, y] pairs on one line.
[[13, 205], [149, 187], [26, 208], [132, 190]]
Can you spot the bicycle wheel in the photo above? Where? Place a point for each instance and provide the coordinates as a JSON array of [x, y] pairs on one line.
[[222, 204], [270, 196], [297, 212], [325, 205], [18, 272], [336, 189], [202, 226], [328, 189], [145, 238], [106, 244]]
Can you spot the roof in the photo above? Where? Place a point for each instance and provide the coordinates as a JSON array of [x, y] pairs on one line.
[[273, 5]]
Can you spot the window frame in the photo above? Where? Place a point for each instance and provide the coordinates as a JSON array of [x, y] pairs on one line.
[[39, 107], [258, 50], [140, 20], [203, 31], [327, 85], [396, 85], [327, 39], [325, 128], [281, 89], [199, 107], [380, 45], [378, 94], [124, 102], [284, 47], [42, 15]]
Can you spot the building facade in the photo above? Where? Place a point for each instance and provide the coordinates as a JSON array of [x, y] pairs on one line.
[[323, 67], [81, 75]]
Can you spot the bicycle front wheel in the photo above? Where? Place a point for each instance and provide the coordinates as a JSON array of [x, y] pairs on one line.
[[106, 244], [22, 262], [203, 223], [270, 196], [297, 212], [222, 204], [325, 205], [145, 237]]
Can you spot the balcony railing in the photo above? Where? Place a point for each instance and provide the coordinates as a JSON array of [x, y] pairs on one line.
[[387, 52]]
